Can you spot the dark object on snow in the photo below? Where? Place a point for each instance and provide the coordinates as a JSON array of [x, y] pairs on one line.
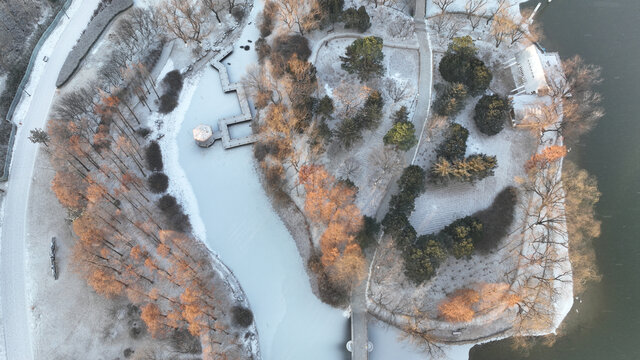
[[153, 155], [158, 182], [242, 316], [52, 257], [172, 84]]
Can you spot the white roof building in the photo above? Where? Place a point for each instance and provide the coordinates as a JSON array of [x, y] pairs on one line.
[[203, 135], [531, 69], [533, 72]]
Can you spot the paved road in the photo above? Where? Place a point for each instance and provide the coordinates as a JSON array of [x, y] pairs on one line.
[[31, 113]]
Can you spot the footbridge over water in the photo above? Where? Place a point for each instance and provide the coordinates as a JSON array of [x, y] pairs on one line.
[[359, 345]]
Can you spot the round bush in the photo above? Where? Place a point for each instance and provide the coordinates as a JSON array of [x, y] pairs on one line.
[[158, 182], [491, 113], [154, 156], [242, 316]]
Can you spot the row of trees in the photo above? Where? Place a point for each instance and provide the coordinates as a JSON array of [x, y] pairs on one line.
[[452, 164], [329, 204], [131, 242]]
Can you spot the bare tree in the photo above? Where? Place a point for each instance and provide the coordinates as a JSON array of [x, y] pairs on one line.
[[350, 168], [502, 6], [304, 15], [185, 20], [397, 90], [386, 162], [216, 7], [475, 11], [443, 5], [574, 87], [500, 26]]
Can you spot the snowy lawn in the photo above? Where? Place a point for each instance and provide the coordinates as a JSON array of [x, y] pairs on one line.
[[402, 68]]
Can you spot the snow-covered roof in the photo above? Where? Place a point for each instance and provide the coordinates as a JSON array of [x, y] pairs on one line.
[[202, 133], [530, 71]]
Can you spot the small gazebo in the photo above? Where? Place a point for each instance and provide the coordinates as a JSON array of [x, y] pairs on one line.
[[203, 135]]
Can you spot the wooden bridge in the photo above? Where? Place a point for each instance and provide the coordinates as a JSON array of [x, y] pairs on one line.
[[244, 116]]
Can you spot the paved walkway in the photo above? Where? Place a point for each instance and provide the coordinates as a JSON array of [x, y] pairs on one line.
[[359, 333], [30, 114], [425, 85]]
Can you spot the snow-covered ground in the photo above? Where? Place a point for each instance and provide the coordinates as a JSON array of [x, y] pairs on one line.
[[401, 67]]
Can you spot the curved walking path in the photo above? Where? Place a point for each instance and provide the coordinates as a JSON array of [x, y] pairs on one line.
[[360, 304], [31, 113], [348, 34]]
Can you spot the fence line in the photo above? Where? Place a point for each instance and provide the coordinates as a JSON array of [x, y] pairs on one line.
[[25, 79]]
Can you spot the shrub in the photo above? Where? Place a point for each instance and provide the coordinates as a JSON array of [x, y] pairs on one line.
[[461, 65], [158, 182], [172, 84], [357, 19], [475, 167], [394, 222], [422, 260], [401, 115], [462, 234], [364, 58], [153, 156], [412, 180], [143, 132], [287, 45], [325, 106], [348, 132], [367, 235], [331, 10], [266, 20], [371, 113], [263, 49], [491, 113], [450, 100], [168, 103], [455, 144], [401, 135], [242, 316], [330, 292], [174, 214], [497, 219]]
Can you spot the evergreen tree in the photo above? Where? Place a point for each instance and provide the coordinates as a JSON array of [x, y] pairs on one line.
[[401, 115], [450, 100], [491, 112], [39, 136], [364, 58], [356, 19], [401, 135]]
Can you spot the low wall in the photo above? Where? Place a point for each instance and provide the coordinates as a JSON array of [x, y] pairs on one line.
[[95, 28]]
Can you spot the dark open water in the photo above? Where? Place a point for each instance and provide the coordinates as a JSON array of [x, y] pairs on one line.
[[607, 326]]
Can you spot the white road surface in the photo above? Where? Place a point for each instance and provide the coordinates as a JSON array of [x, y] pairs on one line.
[[31, 113]]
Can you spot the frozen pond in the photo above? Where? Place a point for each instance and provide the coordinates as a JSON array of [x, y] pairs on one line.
[[250, 238], [243, 229]]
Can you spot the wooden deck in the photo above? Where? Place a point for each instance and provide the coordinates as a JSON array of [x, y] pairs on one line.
[[245, 115]]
